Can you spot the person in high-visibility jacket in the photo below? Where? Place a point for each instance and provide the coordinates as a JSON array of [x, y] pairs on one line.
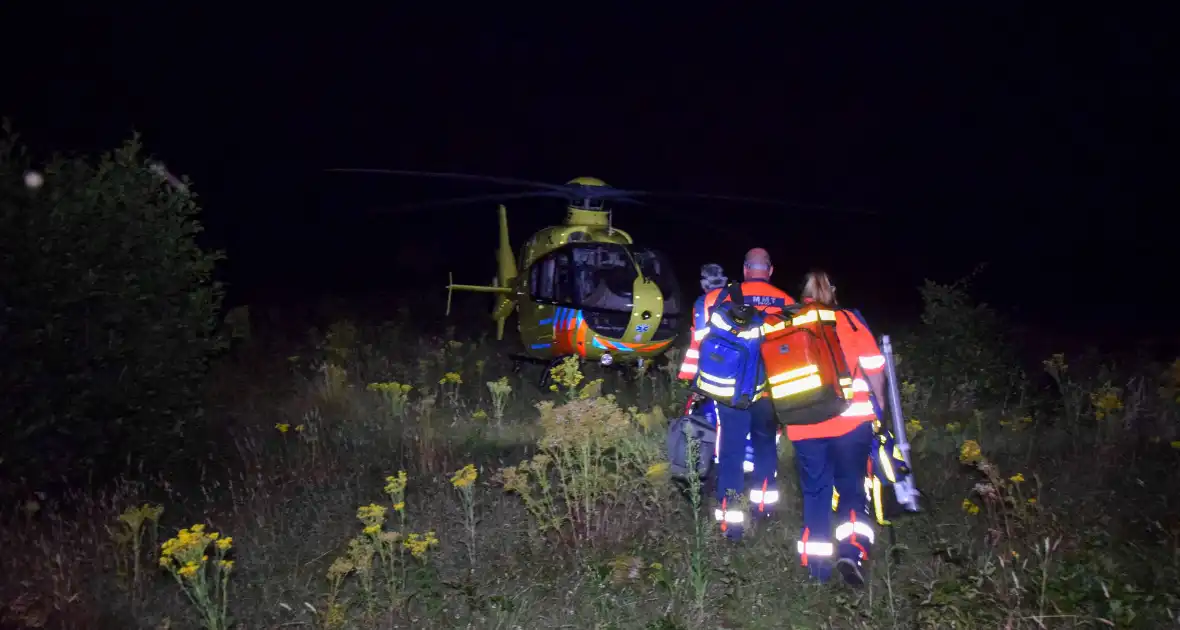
[[712, 277], [758, 420], [832, 454]]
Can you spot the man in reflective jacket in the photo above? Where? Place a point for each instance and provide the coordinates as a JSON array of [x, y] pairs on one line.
[[757, 421], [833, 453]]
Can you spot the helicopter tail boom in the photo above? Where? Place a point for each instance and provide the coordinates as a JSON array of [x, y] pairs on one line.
[[502, 285], [478, 288]]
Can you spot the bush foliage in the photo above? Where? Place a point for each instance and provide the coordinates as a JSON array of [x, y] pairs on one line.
[[109, 307], [960, 353]]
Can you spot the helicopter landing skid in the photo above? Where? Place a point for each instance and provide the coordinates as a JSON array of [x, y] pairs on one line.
[[547, 374], [518, 360]]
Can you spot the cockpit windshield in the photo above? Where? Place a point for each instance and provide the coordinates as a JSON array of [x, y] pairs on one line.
[[587, 203], [656, 267], [604, 276], [601, 276]]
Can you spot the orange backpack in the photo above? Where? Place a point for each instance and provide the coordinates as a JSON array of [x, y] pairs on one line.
[[808, 377]]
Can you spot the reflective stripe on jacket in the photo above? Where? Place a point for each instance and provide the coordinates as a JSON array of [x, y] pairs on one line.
[[760, 294]]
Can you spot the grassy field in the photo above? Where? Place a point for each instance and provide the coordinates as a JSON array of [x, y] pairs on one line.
[[1049, 503]]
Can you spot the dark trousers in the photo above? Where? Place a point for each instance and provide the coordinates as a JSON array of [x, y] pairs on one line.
[[838, 462], [757, 421]]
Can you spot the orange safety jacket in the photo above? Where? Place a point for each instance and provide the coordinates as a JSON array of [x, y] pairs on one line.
[[864, 358], [759, 293]]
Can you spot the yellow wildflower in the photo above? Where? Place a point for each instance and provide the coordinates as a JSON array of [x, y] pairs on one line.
[[1176, 444], [1017, 478], [396, 484], [567, 373], [970, 452], [399, 506], [464, 477], [479, 414], [970, 507], [1056, 365], [371, 514], [225, 543], [1031, 500], [1106, 400], [299, 428], [451, 378], [227, 565], [372, 530], [418, 544], [283, 427], [657, 470], [189, 570]]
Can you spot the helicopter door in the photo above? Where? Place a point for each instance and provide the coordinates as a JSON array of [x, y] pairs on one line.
[[542, 280], [549, 279]]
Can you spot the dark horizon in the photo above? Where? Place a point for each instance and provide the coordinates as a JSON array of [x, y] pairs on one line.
[[1010, 140]]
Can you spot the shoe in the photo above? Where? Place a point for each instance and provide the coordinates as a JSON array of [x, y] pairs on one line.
[[850, 571]]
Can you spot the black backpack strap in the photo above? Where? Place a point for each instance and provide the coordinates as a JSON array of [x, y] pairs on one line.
[[848, 317], [735, 293]]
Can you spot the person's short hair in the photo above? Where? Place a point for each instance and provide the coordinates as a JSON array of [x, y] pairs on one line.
[[712, 277]]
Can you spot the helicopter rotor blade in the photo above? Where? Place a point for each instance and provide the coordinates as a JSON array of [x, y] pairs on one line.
[[750, 200], [576, 192], [474, 199], [507, 181]]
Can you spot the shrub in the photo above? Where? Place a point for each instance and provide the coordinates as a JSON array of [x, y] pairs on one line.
[[963, 356], [597, 464], [109, 307]]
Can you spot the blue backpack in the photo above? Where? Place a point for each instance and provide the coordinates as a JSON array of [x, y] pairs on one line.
[[730, 369]]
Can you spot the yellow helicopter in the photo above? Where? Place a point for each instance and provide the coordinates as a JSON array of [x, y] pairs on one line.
[[582, 288]]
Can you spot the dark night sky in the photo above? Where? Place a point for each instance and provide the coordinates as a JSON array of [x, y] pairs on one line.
[[1037, 142]]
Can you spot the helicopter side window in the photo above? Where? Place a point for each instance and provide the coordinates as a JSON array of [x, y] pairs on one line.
[[541, 279], [656, 267], [549, 279]]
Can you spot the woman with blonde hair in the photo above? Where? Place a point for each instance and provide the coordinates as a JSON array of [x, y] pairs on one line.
[[834, 453]]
